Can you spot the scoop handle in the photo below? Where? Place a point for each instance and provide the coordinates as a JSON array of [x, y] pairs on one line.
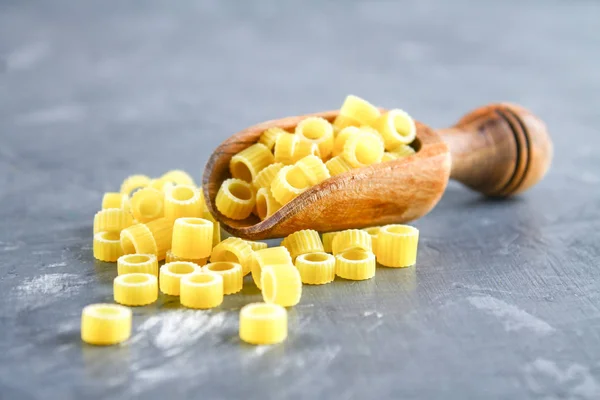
[[499, 150]]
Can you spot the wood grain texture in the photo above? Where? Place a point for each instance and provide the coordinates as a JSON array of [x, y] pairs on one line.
[[498, 150]]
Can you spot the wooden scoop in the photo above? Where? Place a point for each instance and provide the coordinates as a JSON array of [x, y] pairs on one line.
[[498, 150]]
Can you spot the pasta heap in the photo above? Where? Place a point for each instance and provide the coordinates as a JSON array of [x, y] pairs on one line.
[[165, 218], [283, 165]]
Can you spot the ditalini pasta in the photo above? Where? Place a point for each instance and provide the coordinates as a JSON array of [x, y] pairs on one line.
[[171, 274], [351, 239], [355, 265], [284, 149], [170, 257], [138, 239], [302, 242], [136, 289], [183, 201], [192, 238], [233, 250], [342, 137], [358, 111], [115, 200], [281, 284], [231, 272], [364, 148], [201, 290], [327, 239], [216, 227], [269, 137], [147, 204], [249, 162], [112, 220], [314, 169], [289, 182], [134, 182], [262, 323], [105, 324], [373, 231], [316, 268], [137, 263], [162, 232], [396, 127], [107, 246], [319, 131], [397, 245], [236, 199], [338, 165], [272, 256], [266, 176], [266, 205], [178, 177]]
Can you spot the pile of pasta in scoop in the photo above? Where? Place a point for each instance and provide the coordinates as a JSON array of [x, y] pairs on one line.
[[151, 220], [282, 165]]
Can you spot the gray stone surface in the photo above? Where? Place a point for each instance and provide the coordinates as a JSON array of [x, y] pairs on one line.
[[504, 302]]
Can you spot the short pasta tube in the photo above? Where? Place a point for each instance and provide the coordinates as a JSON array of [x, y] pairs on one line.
[[216, 227], [246, 164], [342, 137], [171, 274], [137, 263], [107, 246], [269, 137], [289, 182], [327, 239], [316, 268], [138, 239], [404, 150], [302, 242], [105, 324], [134, 182], [338, 165], [162, 232], [396, 127], [183, 201], [115, 200], [355, 264], [359, 110], [231, 272], [266, 205], [351, 239], [362, 149], [285, 147], [112, 220], [266, 176], [279, 255], [387, 156], [235, 199], [136, 289], [161, 184], [342, 121], [147, 204], [192, 238], [234, 250], [178, 177], [373, 231], [255, 245], [397, 246], [202, 290], [170, 257], [281, 284], [317, 130], [262, 324], [305, 148], [314, 169]]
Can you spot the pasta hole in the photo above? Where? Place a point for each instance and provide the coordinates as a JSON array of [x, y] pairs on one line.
[[262, 310], [201, 278], [222, 266], [240, 191], [355, 255], [401, 229], [137, 258], [316, 257], [150, 207], [402, 125], [127, 245], [313, 129], [268, 284], [181, 268], [262, 208], [135, 278], [182, 193], [296, 179], [107, 311], [241, 171], [367, 152], [195, 221], [111, 236]]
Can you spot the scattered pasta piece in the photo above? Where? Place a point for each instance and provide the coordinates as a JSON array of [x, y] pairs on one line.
[[201, 290], [105, 324], [373, 231], [183, 201], [269, 137], [355, 265], [397, 246], [246, 164], [266, 176], [272, 256], [216, 227], [314, 169], [284, 149], [235, 199], [281, 284], [136, 289], [115, 200], [302, 242], [134, 182], [338, 165], [138, 239], [262, 323], [137, 263], [364, 148], [266, 205], [257, 245], [231, 272], [170, 257], [147, 204], [162, 232], [319, 131], [289, 182], [359, 110], [233, 250], [327, 239], [107, 246], [178, 177], [192, 238], [351, 239], [316, 268], [396, 127], [112, 220], [171, 274]]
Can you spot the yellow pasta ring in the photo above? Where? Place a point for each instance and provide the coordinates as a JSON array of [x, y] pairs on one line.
[[138, 239], [135, 289], [231, 272], [305, 148], [162, 232], [266, 205], [272, 256], [112, 220], [216, 227], [262, 323], [171, 274], [202, 290], [285, 147], [269, 137], [314, 169], [373, 231], [337, 166], [137, 263], [302, 242], [355, 265], [396, 127], [147, 204], [397, 246], [327, 239], [234, 250], [107, 246], [351, 239], [192, 238], [170, 257], [342, 121], [362, 149], [134, 182], [342, 137], [246, 164], [359, 110], [183, 201], [235, 199], [317, 130], [105, 324], [316, 268], [266, 176], [115, 200], [178, 177], [281, 284], [289, 182]]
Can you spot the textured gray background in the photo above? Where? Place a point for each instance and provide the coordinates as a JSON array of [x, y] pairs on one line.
[[504, 302]]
